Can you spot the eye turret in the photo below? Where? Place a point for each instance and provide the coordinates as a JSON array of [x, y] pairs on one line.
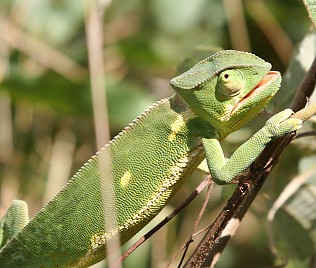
[[230, 82]]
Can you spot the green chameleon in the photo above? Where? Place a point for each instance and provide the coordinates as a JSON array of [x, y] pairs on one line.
[[121, 188]]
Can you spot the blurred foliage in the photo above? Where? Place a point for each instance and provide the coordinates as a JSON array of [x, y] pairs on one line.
[[46, 114]]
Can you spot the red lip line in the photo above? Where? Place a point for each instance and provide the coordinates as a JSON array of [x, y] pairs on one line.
[[267, 79]]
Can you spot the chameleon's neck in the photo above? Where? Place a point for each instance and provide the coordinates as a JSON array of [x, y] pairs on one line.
[[197, 126]]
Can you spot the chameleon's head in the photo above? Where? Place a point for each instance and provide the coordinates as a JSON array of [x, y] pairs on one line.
[[228, 89]]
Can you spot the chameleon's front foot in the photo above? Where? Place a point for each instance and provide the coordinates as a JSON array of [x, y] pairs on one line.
[[281, 124]]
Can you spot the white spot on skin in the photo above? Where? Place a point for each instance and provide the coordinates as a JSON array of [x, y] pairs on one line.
[[125, 179]]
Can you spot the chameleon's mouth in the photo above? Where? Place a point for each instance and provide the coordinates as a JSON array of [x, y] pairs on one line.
[[267, 80]]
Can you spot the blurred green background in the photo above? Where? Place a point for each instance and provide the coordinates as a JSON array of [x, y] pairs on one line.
[[49, 119]]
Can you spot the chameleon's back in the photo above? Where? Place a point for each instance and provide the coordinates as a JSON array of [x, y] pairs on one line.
[[148, 162]]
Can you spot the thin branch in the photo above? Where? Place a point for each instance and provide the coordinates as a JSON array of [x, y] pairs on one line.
[[305, 113], [94, 31], [306, 134], [190, 240]]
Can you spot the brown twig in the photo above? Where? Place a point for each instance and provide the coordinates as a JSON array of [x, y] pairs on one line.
[[306, 134], [190, 240]]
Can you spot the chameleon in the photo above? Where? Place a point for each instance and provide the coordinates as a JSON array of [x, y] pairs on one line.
[[125, 184]]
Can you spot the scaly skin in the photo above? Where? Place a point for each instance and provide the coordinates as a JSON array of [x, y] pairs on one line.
[[150, 159]]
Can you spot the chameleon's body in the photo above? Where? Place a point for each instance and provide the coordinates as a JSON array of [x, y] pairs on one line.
[[148, 162]]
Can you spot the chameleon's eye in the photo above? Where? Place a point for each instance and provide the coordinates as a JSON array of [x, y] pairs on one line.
[[230, 82]]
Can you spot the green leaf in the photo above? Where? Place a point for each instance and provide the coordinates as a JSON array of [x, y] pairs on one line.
[[296, 71], [294, 215]]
